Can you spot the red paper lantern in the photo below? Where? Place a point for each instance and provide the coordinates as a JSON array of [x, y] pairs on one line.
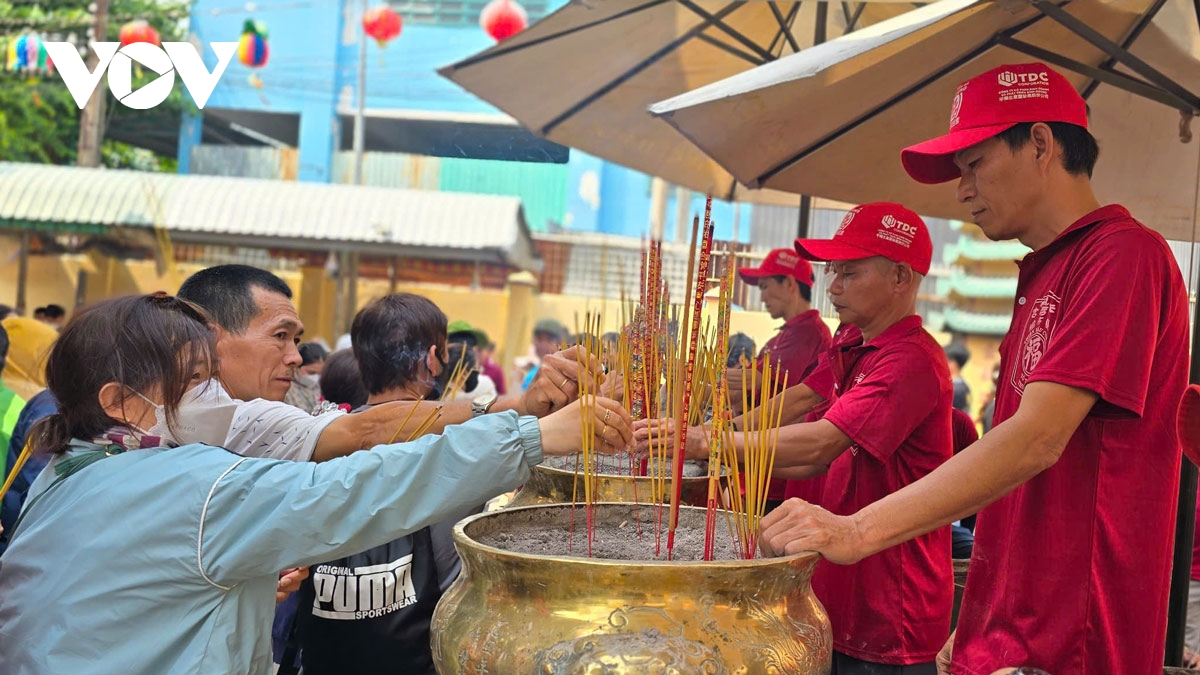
[[138, 31], [503, 19], [382, 23]]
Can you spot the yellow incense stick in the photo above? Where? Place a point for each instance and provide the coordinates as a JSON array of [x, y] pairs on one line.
[[20, 463]]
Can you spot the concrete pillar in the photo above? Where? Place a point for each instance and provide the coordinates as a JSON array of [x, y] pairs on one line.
[[315, 303], [683, 219], [658, 207], [519, 323]]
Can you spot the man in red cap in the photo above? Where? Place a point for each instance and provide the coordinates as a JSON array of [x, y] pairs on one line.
[[890, 408], [1071, 569], [884, 395], [885, 391], [785, 281]]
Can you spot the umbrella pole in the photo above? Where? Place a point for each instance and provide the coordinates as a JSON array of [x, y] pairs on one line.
[[1185, 528], [805, 217], [1181, 569]]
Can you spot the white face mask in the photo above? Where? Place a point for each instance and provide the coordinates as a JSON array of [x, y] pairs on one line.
[[204, 416], [308, 379], [159, 429]]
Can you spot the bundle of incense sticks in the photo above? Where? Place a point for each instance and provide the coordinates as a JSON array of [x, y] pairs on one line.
[[708, 361], [458, 377], [435, 413], [672, 364], [587, 458], [716, 455], [720, 408], [759, 439]]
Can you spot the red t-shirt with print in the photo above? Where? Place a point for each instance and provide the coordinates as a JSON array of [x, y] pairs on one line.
[[1071, 570]]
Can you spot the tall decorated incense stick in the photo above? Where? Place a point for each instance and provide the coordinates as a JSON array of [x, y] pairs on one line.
[[720, 408], [690, 327]]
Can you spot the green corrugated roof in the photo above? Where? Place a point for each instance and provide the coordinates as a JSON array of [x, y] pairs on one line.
[[542, 187], [254, 212]]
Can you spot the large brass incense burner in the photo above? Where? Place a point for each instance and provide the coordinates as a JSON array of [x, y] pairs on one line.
[[520, 614], [547, 485]]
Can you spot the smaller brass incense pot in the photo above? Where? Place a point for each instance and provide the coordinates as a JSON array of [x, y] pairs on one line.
[[547, 485], [523, 614]]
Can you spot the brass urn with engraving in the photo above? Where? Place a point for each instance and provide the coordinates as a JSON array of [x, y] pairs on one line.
[[512, 613]]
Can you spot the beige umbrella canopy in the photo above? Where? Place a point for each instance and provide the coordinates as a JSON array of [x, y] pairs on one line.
[[585, 75], [831, 121]]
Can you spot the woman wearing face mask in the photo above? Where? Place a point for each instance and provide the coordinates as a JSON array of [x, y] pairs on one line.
[[135, 557], [305, 392], [400, 344]]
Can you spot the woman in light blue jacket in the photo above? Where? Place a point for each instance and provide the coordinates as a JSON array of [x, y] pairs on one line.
[[134, 558]]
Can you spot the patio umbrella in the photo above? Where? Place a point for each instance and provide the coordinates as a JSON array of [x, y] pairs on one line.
[[870, 94], [831, 120], [585, 75]]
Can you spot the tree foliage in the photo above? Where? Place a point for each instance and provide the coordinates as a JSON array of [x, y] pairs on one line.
[[39, 121]]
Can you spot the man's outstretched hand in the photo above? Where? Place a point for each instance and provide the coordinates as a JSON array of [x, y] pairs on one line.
[[799, 526]]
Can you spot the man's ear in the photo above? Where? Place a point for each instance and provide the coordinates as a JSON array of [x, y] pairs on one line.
[[1043, 143]]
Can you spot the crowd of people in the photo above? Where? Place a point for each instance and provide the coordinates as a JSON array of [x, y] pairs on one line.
[[195, 461]]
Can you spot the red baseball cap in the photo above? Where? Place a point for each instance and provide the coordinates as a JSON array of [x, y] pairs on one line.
[[780, 262], [879, 228], [991, 103]]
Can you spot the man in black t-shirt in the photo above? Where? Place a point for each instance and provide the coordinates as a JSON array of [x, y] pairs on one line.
[[369, 613]]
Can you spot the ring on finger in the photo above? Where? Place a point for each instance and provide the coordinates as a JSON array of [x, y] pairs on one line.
[[604, 431], [607, 413], [564, 382]]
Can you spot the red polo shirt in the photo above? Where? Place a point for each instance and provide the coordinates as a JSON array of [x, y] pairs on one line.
[[797, 346], [1071, 570], [894, 399]]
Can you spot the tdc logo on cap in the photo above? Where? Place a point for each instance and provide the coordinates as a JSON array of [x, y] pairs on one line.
[[1007, 78], [179, 57], [890, 222]]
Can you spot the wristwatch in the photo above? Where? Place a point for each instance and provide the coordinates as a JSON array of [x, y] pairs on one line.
[[482, 403]]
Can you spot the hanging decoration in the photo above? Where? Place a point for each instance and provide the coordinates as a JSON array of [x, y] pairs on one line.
[[27, 55], [503, 19], [253, 52], [383, 24], [138, 31]]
